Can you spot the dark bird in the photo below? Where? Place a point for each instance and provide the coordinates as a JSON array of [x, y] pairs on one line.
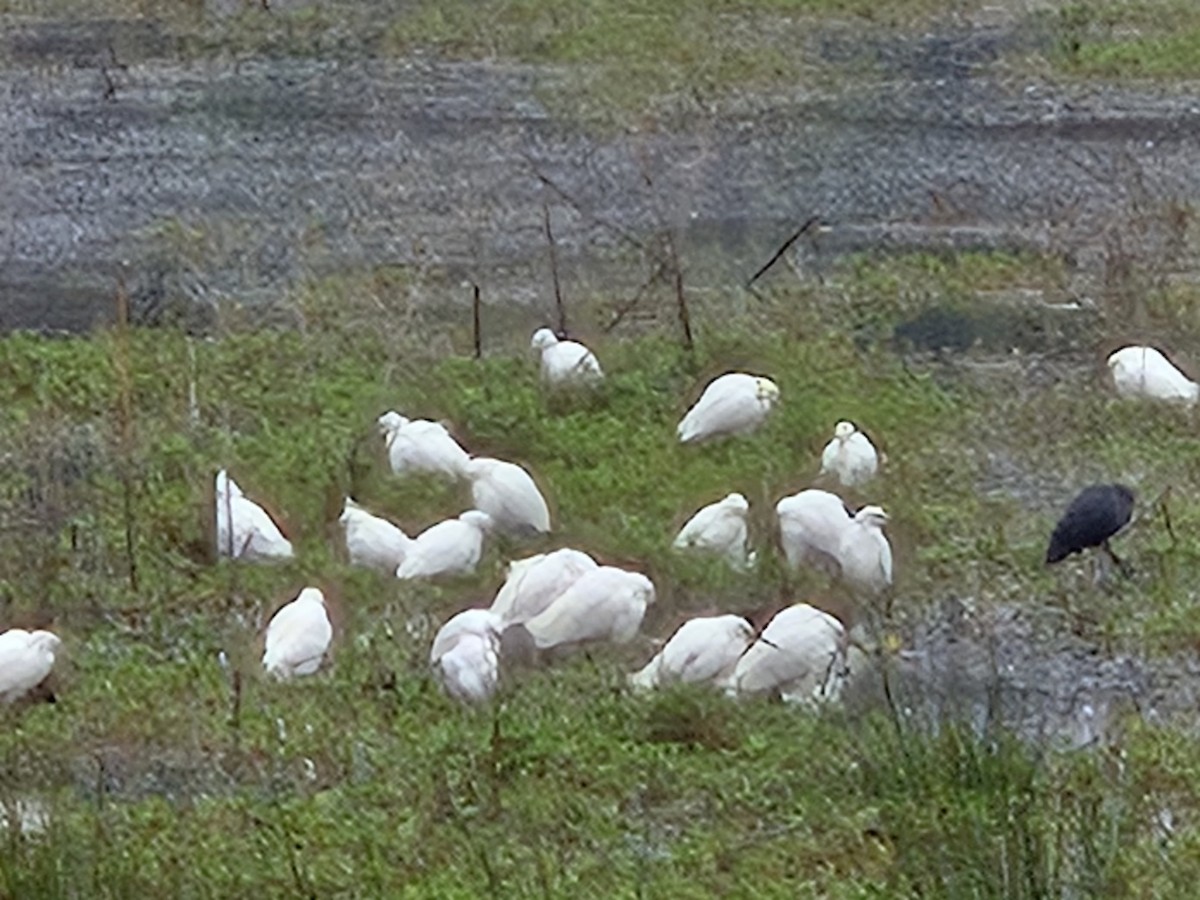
[[1098, 513]]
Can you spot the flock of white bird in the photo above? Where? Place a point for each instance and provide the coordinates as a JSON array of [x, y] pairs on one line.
[[565, 599]]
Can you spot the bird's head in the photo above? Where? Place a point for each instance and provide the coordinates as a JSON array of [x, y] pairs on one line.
[[477, 518], [391, 422], [872, 515], [311, 595], [348, 509], [736, 503], [45, 641], [543, 338], [843, 430], [767, 391]]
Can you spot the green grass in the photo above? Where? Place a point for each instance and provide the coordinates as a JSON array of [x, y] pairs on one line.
[[1141, 39], [166, 776]]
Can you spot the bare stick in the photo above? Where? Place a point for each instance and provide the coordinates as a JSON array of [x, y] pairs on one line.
[[625, 308], [626, 236], [475, 320], [558, 300], [783, 248], [124, 380], [685, 320]]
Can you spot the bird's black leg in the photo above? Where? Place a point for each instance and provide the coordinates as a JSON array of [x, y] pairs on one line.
[[1123, 567]]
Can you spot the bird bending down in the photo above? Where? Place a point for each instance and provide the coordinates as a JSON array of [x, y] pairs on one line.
[[298, 636], [1098, 513], [605, 604], [536, 582], [850, 456], [466, 655], [736, 403], [419, 445], [372, 541], [565, 362], [452, 547], [26, 658], [244, 529], [701, 651], [864, 552], [508, 493], [1145, 372], [801, 655], [811, 524], [719, 529]]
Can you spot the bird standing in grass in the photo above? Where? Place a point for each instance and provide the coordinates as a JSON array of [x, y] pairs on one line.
[[26, 658], [735, 403], [372, 541], [864, 552], [801, 655], [605, 604], [452, 547], [565, 362], [701, 651], [508, 494], [850, 456], [244, 529], [534, 583], [1145, 372], [719, 529], [419, 445], [298, 636], [466, 655], [811, 524], [1098, 513]]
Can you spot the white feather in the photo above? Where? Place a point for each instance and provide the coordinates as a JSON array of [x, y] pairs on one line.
[[372, 541], [419, 445], [508, 493], [466, 655], [850, 456], [452, 547], [244, 529], [811, 524], [801, 654], [565, 362], [605, 604], [534, 583], [702, 650], [864, 552], [719, 529], [1144, 372], [26, 658], [298, 636], [736, 403]]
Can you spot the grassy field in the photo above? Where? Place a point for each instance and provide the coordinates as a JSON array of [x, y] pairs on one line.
[[165, 774]]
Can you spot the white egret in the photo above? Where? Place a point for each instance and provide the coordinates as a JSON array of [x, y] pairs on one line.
[[719, 529], [850, 456], [605, 604], [26, 658], [508, 493], [298, 636], [864, 552], [372, 541], [801, 654], [466, 655], [244, 529], [419, 445], [703, 650], [811, 524], [565, 362], [452, 547], [736, 403], [536, 582], [1145, 372]]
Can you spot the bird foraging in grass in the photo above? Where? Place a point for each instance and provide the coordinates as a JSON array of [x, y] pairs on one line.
[[1145, 372], [701, 651], [565, 362], [801, 656], [298, 636], [719, 529], [26, 658], [420, 445], [244, 529], [451, 547], [508, 493], [465, 656], [372, 541], [735, 403], [1097, 514]]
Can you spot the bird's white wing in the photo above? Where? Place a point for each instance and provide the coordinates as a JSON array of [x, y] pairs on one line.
[[297, 638], [509, 495], [704, 649], [372, 541], [470, 669], [729, 405], [590, 609], [829, 457], [22, 666], [424, 446], [448, 547], [569, 361], [533, 584], [862, 460], [255, 533]]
